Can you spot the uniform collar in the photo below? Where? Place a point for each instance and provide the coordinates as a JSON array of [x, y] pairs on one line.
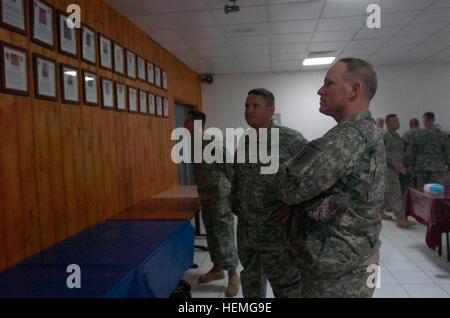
[[363, 114]]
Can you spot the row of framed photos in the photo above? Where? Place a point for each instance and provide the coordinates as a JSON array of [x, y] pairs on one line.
[[111, 55], [114, 95]]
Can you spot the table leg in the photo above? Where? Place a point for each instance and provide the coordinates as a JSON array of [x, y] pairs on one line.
[[198, 233], [448, 249], [440, 246]]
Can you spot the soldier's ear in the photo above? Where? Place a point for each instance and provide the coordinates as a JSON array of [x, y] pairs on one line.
[[356, 90]]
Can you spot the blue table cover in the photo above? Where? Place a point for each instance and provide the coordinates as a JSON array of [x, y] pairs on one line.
[[116, 258]]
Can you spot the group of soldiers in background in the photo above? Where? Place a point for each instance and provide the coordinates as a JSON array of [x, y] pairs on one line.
[[312, 229], [421, 156]]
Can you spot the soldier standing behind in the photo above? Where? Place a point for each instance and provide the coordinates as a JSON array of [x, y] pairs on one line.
[[428, 153], [409, 180], [213, 183], [394, 147], [262, 241], [333, 256], [380, 123]]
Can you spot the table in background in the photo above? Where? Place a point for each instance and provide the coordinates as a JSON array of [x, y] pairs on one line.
[[432, 212], [116, 258]]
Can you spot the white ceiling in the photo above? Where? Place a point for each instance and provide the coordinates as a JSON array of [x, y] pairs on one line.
[[276, 35]]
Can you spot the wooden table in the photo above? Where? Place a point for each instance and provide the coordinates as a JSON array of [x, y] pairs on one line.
[[179, 203]]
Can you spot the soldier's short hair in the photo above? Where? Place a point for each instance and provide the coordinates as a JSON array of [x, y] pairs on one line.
[[429, 116], [363, 71], [414, 122], [388, 117], [265, 93], [198, 115]]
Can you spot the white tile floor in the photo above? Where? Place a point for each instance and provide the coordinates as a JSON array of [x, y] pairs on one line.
[[408, 267]]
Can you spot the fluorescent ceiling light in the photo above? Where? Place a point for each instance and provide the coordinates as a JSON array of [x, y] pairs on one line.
[[318, 61], [71, 73], [88, 78]]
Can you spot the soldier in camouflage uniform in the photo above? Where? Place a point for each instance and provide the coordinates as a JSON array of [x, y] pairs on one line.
[[428, 152], [262, 242], [395, 148], [214, 185], [409, 180], [333, 256]]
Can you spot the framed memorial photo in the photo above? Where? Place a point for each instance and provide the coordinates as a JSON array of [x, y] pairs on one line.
[[131, 65], [12, 15], [141, 74], [159, 111], [164, 79], [132, 99], [150, 73], [41, 14], [166, 107], [105, 52], [143, 102], [70, 91], [151, 104], [67, 37], [14, 69], [90, 88], [107, 86], [118, 52], [121, 101], [88, 45], [44, 77], [157, 76]]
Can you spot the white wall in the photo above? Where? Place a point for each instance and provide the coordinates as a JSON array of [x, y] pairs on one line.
[[407, 90]]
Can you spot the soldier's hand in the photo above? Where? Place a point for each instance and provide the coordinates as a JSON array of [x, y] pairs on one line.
[[399, 166], [282, 215]]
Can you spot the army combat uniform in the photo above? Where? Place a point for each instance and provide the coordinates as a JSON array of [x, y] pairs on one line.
[[214, 184], [262, 243], [394, 147], [428, 153], [408, 180], [333, 256]]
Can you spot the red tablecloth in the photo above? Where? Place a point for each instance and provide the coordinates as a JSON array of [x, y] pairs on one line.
[[429, 211]]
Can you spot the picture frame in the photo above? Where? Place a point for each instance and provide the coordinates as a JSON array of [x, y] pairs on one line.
[[151, 104], [157, 76], [159, 111], [121, 97], [105, 52], [165, 107], [67, 37], [88, 45], [70, 88], [14, 70], [44, 77], [131, 64], [143, 106], [119, 62], [164, 79], [132, 99], [90, 88], [150, 73], [42, 23], [12, 16], [107, 93], [141, 69]]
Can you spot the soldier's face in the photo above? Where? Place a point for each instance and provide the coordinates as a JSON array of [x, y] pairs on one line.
[[335, 91], [189, 124], [257, 113]]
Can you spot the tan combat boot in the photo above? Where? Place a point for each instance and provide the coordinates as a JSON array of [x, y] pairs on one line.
[[214, 274], [233, 284], [403, 223], [384, 216]]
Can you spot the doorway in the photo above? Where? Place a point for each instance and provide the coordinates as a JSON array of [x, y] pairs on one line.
[[186, 174]]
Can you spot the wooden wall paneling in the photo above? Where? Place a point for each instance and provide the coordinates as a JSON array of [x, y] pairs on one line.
[[10, 199]]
